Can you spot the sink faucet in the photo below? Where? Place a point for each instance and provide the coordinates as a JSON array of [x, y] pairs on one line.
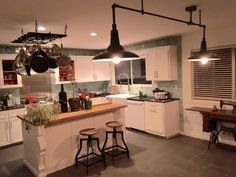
[[124, 76]]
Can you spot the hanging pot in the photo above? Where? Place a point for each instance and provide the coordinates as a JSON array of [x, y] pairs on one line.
[[63, 60], [52, 63], [54, 51], [39, 62], [19, 63]]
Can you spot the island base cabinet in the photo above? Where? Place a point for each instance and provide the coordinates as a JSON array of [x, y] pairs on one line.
[[162, 118], [48, 149]]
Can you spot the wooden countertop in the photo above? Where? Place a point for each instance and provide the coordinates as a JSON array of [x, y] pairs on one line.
[[96, 110], [227, 115]]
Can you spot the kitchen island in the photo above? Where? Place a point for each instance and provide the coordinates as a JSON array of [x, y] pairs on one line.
[[49, 148]]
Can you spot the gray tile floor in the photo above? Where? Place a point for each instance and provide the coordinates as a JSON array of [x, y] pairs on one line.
[[151, 156]]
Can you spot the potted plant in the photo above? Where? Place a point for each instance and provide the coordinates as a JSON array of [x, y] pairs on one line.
[[74, 102]]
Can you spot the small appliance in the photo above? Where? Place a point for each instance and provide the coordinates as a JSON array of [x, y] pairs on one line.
[[161, 95]]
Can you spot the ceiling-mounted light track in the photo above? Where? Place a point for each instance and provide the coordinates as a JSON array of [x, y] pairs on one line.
[[115, 50]]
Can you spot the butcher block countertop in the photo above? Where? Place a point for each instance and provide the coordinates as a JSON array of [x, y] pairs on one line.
[[97, 109]]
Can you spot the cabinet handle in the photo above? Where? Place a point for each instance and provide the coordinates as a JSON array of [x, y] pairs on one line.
[[152, 110], [157, 73], [10, 124]]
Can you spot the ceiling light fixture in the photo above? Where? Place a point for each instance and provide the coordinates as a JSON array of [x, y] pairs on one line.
[[41, 28], [116, 50], [93, 34]]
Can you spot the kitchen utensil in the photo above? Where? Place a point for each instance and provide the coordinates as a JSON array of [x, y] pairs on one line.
[[21, 60], [39, 61], [55, 50], [63, 60], [52, 62]]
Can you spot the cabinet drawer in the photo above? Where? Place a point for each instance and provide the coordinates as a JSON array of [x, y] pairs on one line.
[[153, 105]]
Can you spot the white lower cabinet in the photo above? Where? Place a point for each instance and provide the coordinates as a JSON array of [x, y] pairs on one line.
[[10, 127], [135, 115], [162, 118]]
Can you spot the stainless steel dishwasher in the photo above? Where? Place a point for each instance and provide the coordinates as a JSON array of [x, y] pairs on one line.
[[135, 115]]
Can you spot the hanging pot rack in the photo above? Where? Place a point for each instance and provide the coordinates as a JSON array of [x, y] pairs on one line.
[[38, 37]]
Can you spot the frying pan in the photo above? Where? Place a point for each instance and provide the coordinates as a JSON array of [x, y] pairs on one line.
[[39, 62]]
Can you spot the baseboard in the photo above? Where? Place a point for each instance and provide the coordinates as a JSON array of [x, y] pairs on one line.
[[11, 145], [34, 171], [195, 136]]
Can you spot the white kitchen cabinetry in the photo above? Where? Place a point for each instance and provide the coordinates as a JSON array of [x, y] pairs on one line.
[[8, 76], [4, 129], [162, 118], [135, 115], [10, 127], [88, 71], [161, 63]]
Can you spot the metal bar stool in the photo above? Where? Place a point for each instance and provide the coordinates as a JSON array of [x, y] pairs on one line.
[[115, 149], [89, 158]]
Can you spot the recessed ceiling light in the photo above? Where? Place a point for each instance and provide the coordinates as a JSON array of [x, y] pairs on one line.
[[41, 28], [93, 34]]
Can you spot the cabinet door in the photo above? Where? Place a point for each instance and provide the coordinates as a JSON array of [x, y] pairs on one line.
[[151, 64], [4, 132], [15, 125], [154, 118], [101, 71], [84, 69], [8, 76], [163, 63], [15, 129], [4, 129], [166, 63]]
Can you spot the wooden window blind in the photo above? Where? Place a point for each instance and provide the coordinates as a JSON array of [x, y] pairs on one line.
[[214, 80]]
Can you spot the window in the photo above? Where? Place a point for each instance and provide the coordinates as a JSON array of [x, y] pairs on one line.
[[216, 79], [132, 72]]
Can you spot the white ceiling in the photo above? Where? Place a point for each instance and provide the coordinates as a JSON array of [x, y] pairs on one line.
[[86, 16]]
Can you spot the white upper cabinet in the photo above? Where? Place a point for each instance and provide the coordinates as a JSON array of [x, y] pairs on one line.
[[84, 69], [8, 76], [102, 71], [88, 71], [161, 63]]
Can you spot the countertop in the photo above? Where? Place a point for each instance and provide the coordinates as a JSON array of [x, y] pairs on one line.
[[19, 106], [99, 109], [152, 99]]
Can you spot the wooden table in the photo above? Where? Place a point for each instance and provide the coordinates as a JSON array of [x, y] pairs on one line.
[[211, 117]]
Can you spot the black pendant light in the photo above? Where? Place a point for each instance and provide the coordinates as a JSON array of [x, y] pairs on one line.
[[203, 55], [115, 52]]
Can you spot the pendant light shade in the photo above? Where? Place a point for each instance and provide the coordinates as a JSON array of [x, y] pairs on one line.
[[115, 52], [203, 55]]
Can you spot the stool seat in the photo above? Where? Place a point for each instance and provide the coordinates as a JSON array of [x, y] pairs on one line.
[[88, 131], [114, 124]]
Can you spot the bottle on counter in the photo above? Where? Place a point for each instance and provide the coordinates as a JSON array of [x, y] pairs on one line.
[[63, 99]]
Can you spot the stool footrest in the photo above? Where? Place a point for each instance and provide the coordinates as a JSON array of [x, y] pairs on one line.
[[91, 160], [116, 148]]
